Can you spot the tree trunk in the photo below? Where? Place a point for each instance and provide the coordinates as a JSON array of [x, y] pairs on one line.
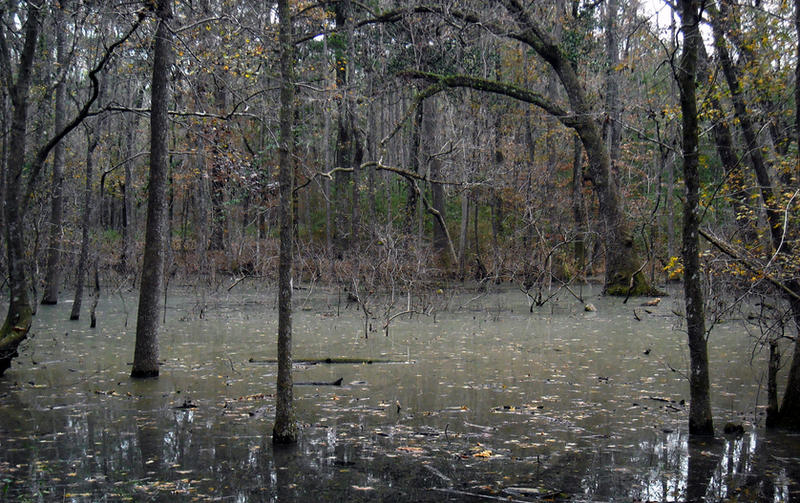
[[52, 279], [86, 222], [145, 359], [700, 419], [285, 429], [611, 127], [18, 319], [623, 274], [345, 140], [579, 210]]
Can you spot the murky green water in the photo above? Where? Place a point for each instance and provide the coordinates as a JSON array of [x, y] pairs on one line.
[[484, 398]]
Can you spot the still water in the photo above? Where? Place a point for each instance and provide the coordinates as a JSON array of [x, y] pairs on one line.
[[478, 400]]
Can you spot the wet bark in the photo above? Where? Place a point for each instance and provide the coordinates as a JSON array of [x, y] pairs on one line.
[[52, 278], [145, 359], [773, 366], [700, 419], [285, 429]]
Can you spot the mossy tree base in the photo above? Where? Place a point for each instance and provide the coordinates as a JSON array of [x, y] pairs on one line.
[[14, 331], [624, 286], [285, 435]]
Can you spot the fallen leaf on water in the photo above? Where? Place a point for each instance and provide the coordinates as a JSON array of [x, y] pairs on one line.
[[486, 453], [363, 488]]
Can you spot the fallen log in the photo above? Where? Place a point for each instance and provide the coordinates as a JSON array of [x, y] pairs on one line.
[[331, 361], [337, 382]]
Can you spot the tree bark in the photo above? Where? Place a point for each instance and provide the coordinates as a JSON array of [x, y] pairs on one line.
[[145, 359], [285, 429], [700, 419], [52, 279], [18, 319]]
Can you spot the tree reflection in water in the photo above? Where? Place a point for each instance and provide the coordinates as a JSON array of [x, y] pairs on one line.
[[502, 405]]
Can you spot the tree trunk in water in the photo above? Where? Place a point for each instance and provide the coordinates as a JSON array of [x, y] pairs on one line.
[[773, 366], [52, 279], [18, 319], [145, 359], [86, 222], [789, 414], [285, 429], [700, 419], [462, 236], [623, 274], [96, 299]]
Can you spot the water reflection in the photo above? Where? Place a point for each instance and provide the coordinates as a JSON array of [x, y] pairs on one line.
[[492, 402]]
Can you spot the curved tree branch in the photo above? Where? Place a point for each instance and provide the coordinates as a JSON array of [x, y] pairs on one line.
[[44, 151]]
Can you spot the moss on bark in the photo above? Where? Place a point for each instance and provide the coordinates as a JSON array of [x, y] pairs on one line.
[[14, 331], [622, 285]]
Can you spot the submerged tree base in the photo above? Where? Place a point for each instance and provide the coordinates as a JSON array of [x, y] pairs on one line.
[[144, 374], [286, 435], [13, 332], [627, 286]]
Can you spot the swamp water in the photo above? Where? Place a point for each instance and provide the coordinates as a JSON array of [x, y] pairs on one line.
[[483, 401]]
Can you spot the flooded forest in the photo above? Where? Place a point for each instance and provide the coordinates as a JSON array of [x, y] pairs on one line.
[[380, 250]]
